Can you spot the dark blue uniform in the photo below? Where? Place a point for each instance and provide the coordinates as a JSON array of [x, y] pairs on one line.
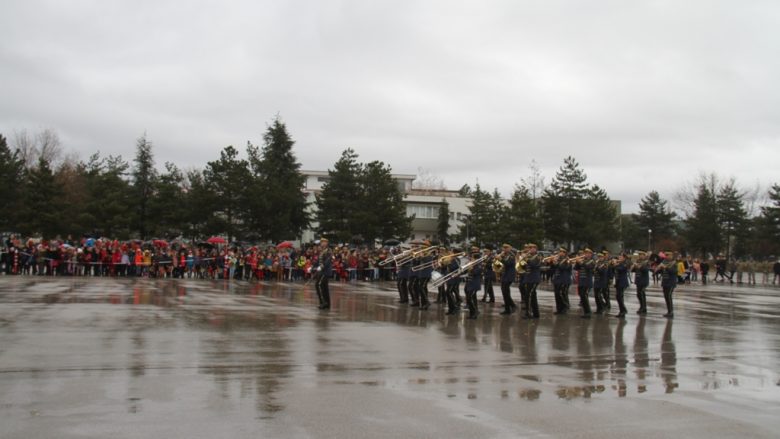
[[451, 293], [600, 284], [473, 284], [530, 281], [641, 280], [621, 283], [584, 283], [507, 277], [490, 276], [561, 280], [403, 281], [668, 284], [324, 266]]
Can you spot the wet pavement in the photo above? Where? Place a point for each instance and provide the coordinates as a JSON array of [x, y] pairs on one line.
[[123, 358]]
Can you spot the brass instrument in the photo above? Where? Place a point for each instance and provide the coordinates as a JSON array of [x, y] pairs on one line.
[[442, 261], [415, 254], [465, 268], [395, 258], [498, 266]]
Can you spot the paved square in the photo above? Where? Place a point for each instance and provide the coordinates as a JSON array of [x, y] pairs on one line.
[[126, 358]]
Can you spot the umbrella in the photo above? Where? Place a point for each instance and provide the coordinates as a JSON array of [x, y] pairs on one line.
[[284, 244], [160, 243], [216, 240], [392, 242]]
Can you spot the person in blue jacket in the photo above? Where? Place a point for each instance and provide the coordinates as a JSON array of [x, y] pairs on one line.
[[324, 271], [621, 269], [561, 280], [641, 269], [668, 269], [533, 265], [473, 284], [585, 280]]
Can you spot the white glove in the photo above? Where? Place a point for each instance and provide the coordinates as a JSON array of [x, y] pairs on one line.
[[319, 268]]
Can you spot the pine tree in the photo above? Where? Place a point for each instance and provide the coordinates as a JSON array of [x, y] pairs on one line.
[[201, 204], [732, 217], [564, 213], [168, 206], [443, 223], [336, 206], [280, 212], [771, 213], [522, 221], [479, 225], [107, 209], [11, 179], [703, 232], [144, 178], [43, 202], [655, 215], [361, 202], [227, 178], [601, 226]]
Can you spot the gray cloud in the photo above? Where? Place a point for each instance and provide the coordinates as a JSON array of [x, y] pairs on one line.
[[643, 94]]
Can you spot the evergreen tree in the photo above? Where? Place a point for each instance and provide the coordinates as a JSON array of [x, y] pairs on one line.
[[564, 212], [654, 214], [144, 179], [43, 202], [361, 202], [168, 206], [522, 221], [280, 212], [478, 226], [771, 214], [337, 203], [107, 209], [732, 217], [633, 235], [601, 225], [227, 178], [11, 182], [443, 223], [201, 204], [703, 232]]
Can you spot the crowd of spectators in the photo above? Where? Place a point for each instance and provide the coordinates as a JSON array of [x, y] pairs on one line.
[[201, 260], [284, 262]]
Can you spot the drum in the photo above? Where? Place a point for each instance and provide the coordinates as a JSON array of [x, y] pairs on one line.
[[435, 275]]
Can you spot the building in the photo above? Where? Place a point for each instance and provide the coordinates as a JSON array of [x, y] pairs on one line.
[[423, 204]]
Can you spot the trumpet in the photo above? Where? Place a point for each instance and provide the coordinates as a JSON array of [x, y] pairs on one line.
[[465, 268]]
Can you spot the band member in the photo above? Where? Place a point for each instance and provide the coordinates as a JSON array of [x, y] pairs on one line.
[[473, 284], [530, 281], [403, 281], [641, 269], [414, 276], [324, 270], [488, 295], [507, 277], [561, 280], [668, 269], [424, 276], [450, 264], [601, 280], [621, 269], [585, 280]]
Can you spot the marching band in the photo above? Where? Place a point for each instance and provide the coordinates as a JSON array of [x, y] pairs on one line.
[[445, 269]]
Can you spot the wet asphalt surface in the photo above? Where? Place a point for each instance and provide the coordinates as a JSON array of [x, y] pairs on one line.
[[127, 358]]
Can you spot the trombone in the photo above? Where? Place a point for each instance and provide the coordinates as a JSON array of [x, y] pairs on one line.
[[457, 273], [437, 262], [395, 258], [414, 255]]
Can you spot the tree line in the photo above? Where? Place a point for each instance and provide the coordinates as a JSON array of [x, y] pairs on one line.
[[261, 197], [571, 212]]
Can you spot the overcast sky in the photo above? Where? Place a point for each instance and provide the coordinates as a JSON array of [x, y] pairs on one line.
[[644, 95]]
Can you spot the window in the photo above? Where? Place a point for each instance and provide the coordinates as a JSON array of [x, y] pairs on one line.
[[452, 215], [460, 216], [323, 179], [422, 212]]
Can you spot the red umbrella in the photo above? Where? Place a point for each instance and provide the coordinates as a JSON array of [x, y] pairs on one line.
[[285, 244], [160, 243], [216, 240]]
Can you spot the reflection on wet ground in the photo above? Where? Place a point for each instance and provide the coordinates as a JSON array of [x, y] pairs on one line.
[[83, 356]]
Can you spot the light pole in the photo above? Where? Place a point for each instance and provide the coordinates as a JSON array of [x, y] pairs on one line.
[[650, 240]]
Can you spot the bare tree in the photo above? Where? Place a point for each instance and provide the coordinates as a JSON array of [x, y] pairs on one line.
[[45, 143], [535, 181], [427, 181], [683, 199]]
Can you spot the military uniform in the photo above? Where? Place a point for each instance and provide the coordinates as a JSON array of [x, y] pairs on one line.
[[668, 283], [530, 282], [641, 279], [507, 277], [473, 284], [324, 268], [621, 283], [585, 282]]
